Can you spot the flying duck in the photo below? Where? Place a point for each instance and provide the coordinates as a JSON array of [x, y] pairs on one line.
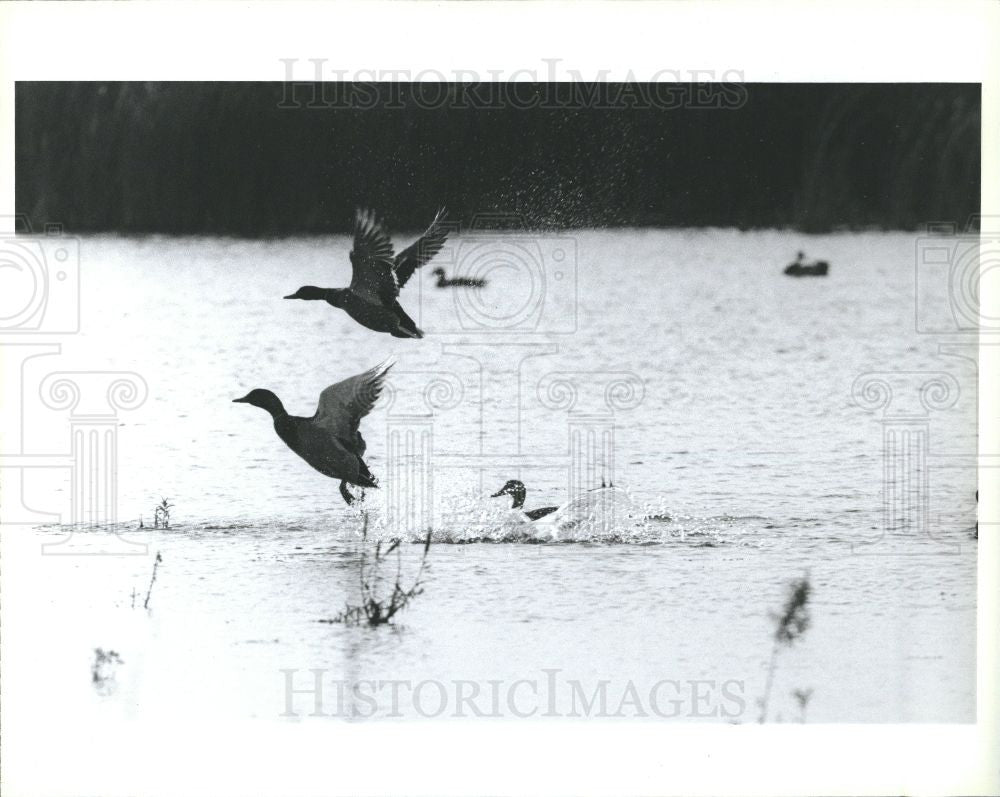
[[330, 440], [378, 274], [515, 489], [456, 282]]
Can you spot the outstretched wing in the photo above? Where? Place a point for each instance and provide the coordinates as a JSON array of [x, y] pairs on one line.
[[343, 405], [423, 249], [374, 277]]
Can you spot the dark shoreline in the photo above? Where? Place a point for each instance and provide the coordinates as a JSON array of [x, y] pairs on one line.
[[233, 159]]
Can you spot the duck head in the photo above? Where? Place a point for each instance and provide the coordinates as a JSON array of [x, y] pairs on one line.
[[264, 399], [308, 292], [438, 271], [515, 489]]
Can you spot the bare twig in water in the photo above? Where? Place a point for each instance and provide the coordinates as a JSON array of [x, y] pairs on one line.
[[791, 623], [162, 514], [149, 592], [802, 697], [376, 609]]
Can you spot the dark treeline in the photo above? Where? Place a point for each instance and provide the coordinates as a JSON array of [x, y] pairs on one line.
[[265, 159]]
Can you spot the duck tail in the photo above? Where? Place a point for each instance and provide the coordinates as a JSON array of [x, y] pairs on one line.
[[408, 331], [407, 328], [365, 476]]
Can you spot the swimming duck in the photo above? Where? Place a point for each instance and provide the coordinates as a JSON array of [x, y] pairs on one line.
[[515, 489], [378, 274], [330, 440], [800, 268], [456, 282]]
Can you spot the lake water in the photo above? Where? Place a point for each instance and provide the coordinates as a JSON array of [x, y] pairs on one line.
[[722, 398]]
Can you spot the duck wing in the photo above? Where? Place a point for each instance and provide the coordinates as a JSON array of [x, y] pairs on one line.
[[344, 404], [534, 514], [423, 249], [373, 275]]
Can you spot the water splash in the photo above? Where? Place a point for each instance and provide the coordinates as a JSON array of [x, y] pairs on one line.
[[607, 515], [466, 514]]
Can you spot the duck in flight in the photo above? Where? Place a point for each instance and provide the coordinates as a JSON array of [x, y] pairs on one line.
[[456, 282], [330, 440], [515, 489], [372, 299]]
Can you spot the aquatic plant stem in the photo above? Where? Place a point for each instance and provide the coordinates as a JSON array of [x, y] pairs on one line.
[[772, 665], [152, 580], [791, 623]]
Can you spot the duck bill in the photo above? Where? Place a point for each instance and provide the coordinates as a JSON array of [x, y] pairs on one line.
[[499, 493], [240, 400], [290, 296]]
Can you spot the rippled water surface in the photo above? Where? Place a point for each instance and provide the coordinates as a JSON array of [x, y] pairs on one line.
[[741, 456]]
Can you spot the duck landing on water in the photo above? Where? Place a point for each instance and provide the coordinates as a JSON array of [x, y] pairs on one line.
[[330, 440], [515, 489], [456, 282], [800, 268]]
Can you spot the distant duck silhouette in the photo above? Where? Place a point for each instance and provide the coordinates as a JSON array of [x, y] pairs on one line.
[[378, 275], [330, 440], [515, 489], [800, 268], [456, 282]]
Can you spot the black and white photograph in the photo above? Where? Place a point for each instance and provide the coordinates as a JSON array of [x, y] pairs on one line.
[[375, 414]]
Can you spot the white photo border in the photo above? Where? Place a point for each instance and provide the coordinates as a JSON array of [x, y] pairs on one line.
[[767, 42]]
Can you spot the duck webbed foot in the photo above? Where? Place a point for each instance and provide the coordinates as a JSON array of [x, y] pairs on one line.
[[348, 498]]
